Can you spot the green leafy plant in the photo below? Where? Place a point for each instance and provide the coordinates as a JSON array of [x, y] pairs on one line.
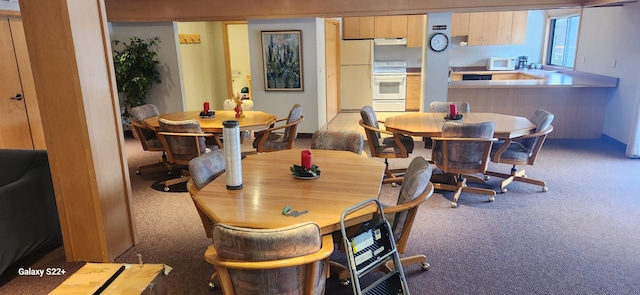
[[136, 69]]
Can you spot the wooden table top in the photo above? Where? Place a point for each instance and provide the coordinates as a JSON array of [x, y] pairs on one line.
[[251, 120], [346, 179], [429, 124]]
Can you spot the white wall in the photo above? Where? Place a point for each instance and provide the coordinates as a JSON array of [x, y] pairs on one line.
[[435, 74], [6, 5], [203, 65], [609, 35], [279, 103], [167, 96]]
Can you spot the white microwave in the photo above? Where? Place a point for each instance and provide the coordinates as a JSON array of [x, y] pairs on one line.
[[501, 63]]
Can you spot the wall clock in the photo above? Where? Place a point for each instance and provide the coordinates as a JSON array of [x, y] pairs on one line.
[[439, 42]]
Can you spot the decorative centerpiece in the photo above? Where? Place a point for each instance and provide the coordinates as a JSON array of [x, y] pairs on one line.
[[238, 109], [453, 113], [457, 117], [303, 173], [206, 112], [306, 170]]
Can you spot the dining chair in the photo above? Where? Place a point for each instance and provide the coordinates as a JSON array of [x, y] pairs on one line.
[[272, 140], [522, 151], [463, 149], [338, 140], [147, 136], [394, 146], [182, 141], [287, 260], [443, 107], [415, 190], [204, 169]]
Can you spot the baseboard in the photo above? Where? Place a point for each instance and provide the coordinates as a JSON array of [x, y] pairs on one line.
[[304, 135], [613, 141]]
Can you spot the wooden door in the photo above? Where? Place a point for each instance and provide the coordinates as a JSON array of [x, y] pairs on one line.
[[357, 27], [490, 28], [332, 62], [415, 30], [460, 24], [14, 123], [505, 22], [476, 22], [519, 27]]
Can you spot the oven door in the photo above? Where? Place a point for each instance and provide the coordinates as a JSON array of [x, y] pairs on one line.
[[389, 86]]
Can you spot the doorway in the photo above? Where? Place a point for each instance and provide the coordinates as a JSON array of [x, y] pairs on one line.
[[332, 66], [237, 58]]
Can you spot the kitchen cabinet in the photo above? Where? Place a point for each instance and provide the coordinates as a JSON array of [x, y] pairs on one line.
[[460, 24], [494, 28], [390, 26], [20, 125], [357, 27], [415, 30], [412, 102]]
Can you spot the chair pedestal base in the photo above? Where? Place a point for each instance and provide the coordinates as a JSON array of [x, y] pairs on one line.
[[461, 186], [516, 176]]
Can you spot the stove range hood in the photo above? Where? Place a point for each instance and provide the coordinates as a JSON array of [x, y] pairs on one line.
[[390, 41]]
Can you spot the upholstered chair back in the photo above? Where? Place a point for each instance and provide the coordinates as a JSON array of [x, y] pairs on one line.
[[206, 167], [337, 140], [542, 119], [369, 118], [416, 180], [464, 155], [147, 136], [294, 115], [443, 106], [183, 148], [247, 244]]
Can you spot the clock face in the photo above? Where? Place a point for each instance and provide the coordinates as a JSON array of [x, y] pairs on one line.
[[439, 42]]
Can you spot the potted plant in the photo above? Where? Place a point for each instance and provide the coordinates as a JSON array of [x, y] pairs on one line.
[[136, 71]]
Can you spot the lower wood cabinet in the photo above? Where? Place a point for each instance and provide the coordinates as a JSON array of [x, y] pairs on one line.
[[413, 93]]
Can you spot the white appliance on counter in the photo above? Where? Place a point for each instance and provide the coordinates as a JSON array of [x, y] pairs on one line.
[[389, 82], [501, 63], [356, 57]]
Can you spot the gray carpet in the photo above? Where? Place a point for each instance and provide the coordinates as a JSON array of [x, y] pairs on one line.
[[580, 237]]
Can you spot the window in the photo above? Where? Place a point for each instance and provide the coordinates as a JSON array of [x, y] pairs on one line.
[[563, 39]]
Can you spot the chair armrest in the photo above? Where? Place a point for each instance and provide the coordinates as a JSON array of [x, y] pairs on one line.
[[325, 251], [186, 134], [428, 192], [463, 139], [365, 126]]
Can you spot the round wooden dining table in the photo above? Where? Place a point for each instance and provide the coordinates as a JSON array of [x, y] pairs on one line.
[[346, 179], [252, 120]]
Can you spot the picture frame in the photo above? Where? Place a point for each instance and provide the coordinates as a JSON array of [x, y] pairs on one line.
[[282, 60]]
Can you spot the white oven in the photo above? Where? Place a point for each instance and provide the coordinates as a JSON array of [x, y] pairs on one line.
[[389, 81]]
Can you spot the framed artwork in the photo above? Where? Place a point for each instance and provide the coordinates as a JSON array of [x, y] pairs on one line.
[[282, 60]]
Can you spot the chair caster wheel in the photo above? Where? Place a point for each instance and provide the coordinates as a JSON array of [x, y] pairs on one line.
[[454, 205], [492, 198], [212, 286], [345, 282], [425, 266], [170, 172], [138, 172], [393, 184], [486, 177], [166, 189], [544, 189], [503, 190]]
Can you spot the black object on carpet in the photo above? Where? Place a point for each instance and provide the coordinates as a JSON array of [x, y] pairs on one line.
[[163, 175]]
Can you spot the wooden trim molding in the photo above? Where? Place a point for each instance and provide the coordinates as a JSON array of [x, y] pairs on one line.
[[206, 10]]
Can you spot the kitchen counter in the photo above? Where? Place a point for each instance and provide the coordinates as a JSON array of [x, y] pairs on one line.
[[538, 78], [577, 99]]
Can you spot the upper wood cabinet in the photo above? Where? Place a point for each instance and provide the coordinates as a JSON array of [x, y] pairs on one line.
[[460, 24], [491, 28], [390, 26], [415, 30], [357, 27]]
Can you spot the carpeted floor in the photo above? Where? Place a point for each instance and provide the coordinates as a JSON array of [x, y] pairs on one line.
[[580, 237]]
